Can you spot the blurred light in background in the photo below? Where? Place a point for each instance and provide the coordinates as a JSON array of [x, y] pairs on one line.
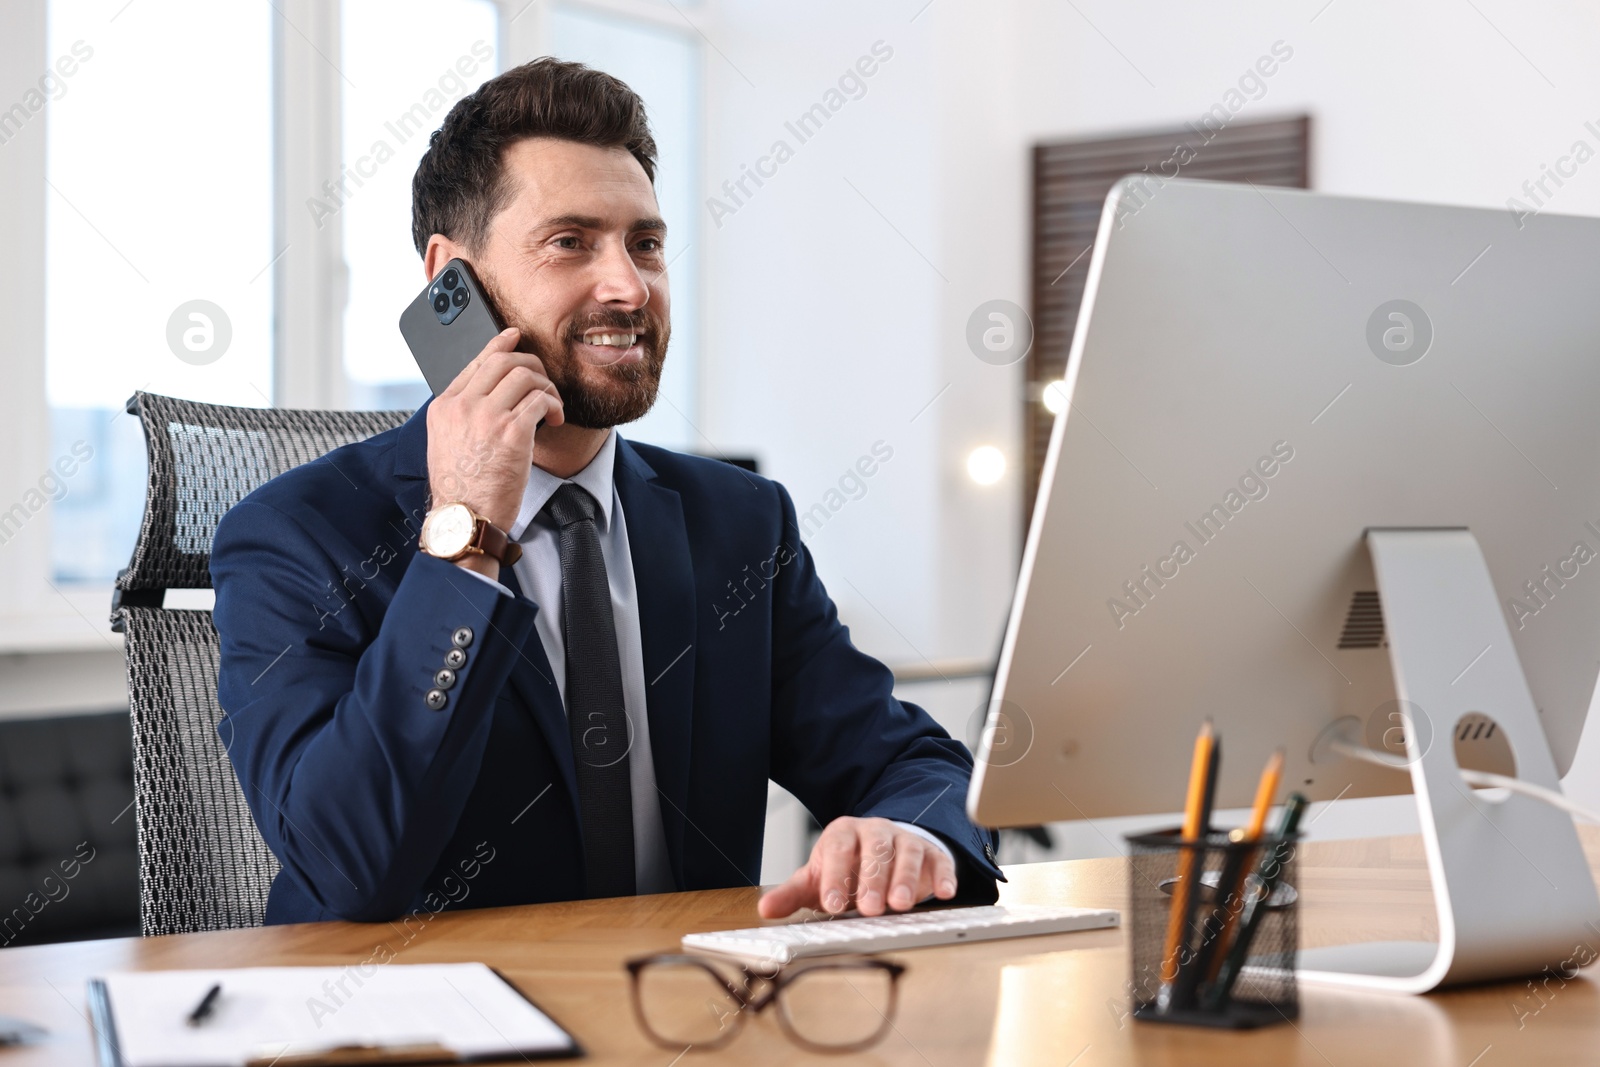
[[986, 464], [1055, 397]]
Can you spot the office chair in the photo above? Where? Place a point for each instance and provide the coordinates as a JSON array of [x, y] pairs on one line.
[[202, 862]]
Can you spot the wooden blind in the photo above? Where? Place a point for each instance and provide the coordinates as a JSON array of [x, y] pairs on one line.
[[1070, 183]]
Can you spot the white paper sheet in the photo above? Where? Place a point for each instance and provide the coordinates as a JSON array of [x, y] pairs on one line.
[[269, 1011]]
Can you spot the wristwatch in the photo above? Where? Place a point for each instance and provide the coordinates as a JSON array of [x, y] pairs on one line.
[[452, 531]]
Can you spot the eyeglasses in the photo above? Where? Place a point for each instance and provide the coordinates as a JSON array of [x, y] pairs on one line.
[[831, 1004]]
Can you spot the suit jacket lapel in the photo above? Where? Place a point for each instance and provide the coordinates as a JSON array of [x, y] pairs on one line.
[[663, 575]]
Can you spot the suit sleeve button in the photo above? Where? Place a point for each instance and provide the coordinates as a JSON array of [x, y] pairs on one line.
[[455, 659], [462, 638], [435, 699], [445, 678]]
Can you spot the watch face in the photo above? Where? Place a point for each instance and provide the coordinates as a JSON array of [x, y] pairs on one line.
[[448, 530]]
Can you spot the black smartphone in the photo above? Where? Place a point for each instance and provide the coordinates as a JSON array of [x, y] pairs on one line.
[[448, 324]]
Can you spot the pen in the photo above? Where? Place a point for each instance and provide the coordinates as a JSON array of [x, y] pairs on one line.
[[202, 1011], [1196, 815], [1266, 876]]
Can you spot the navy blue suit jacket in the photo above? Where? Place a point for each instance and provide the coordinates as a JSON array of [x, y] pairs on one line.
[[332, 627]]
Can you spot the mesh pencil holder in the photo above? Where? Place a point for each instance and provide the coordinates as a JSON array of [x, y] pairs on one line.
[[1213, 929]]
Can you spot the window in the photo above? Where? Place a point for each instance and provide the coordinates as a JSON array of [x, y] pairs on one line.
[[161, 251], [663, 66], [405, 63], [158, 239]]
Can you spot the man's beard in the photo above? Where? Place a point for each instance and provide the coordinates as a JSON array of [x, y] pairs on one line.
[[628, 390]]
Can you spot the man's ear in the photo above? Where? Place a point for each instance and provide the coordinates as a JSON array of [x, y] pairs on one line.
[[440, 251]]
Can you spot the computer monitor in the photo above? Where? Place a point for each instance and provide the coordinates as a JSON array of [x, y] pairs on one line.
[[1268, 391]]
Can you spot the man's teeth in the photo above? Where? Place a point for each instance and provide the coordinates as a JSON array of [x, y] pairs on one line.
[[620, 340]]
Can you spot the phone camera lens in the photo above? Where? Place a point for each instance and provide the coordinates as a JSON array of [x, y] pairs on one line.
[[459, 298], [451, 279], [441, 303]]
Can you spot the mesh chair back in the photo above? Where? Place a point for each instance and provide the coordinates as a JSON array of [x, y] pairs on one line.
[[202, 863]]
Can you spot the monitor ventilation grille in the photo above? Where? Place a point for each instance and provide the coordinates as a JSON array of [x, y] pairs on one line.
[[1363, 626]]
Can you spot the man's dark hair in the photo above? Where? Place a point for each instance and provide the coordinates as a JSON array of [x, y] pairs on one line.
[[461, 183]]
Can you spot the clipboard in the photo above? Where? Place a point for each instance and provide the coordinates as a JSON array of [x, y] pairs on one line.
[[153, 1032]]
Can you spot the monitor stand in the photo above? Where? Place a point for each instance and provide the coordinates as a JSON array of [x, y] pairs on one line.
[[1513, 888]]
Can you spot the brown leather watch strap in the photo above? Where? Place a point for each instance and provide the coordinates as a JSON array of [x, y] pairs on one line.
[[492, 541]]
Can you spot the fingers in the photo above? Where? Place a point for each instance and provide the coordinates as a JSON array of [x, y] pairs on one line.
[[880, 841], [838, 852], [920, 870], [944, 874], [543, 403], [872, 862], [498, 359], [939, 875], [504, 341], [800, 891], [520, 384], [910, 863]]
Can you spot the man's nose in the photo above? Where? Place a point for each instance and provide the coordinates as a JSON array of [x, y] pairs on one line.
[[620, 280]]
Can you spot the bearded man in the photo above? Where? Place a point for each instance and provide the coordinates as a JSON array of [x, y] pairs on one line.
[[488, 657]]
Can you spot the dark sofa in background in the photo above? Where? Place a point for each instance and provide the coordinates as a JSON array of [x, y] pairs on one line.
[[68, 855]]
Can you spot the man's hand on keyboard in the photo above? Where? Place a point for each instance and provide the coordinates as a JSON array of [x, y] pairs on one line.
[[873, 863]]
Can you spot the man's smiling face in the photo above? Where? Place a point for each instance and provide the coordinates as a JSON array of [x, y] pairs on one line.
[[576, 260]]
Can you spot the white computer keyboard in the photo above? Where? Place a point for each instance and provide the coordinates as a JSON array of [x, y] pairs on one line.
[[912, 929]]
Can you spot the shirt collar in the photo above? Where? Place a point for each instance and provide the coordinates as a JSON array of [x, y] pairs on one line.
[[597, 478]]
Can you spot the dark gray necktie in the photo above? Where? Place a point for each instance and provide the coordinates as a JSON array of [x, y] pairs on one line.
[[596, 716]]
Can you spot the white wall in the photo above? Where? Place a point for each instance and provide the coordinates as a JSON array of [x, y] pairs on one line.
[[826, 331], [821, 320]]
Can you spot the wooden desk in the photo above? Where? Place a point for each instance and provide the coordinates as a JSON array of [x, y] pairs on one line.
[[1054, 1000]]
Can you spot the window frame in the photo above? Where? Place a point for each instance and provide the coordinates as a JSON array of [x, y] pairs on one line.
[[68, 620]]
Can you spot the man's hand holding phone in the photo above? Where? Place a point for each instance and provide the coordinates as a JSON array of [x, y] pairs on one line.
[[481, 434]]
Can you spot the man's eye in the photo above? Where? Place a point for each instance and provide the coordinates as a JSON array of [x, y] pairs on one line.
[[649, 244], [567, 242]]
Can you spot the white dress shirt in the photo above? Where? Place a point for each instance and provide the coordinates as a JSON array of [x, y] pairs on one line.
[[539, 574]]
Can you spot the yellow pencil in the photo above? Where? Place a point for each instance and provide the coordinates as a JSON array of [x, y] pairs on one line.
[[1266, 789], [1193, 818]]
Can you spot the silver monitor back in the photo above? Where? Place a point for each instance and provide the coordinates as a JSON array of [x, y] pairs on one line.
[[1259, 375]]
